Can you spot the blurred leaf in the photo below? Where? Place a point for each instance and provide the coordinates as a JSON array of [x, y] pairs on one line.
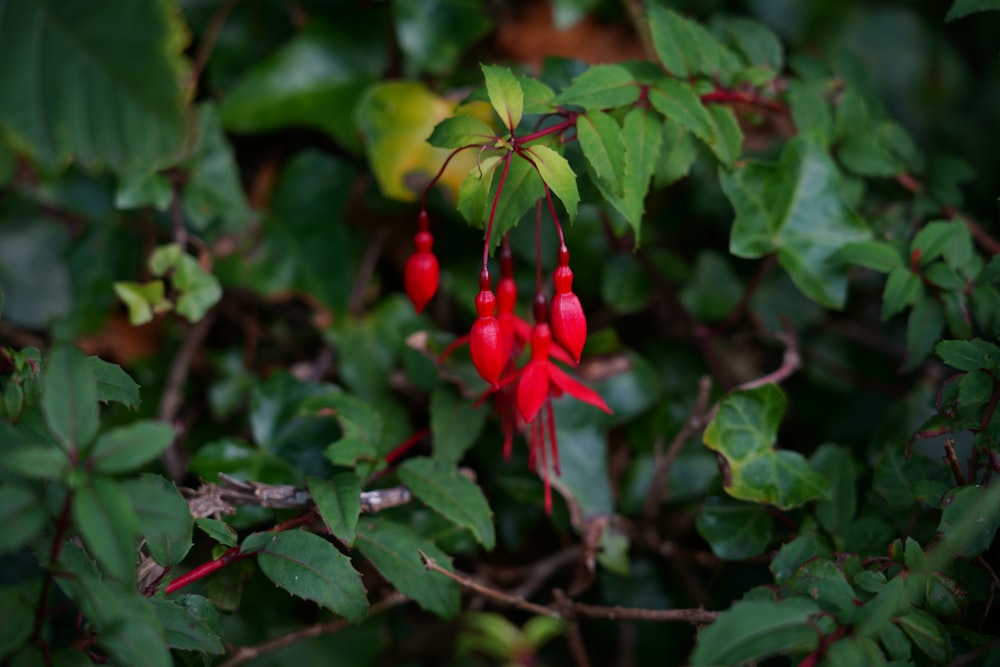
[[794, 209], [314, 80], [875, 255], [23, 515], [734, 530], [306, 565], [459, 131], [185, 630], [877, 613], [962, 8], [70, 398], [600, 87], [678, 154], [136, 190], [625, 285], [33, 270], [865, 156], [455, 424], [29, 454], [835, 463], [902, 289], [87, 92], [757, 43], [810, 111], [678, 102], [686, 48], [102, 510], [727, 137], [393, 550], [164, 518], [19, 617], [603, 145], [447, 491], [338, 501], [823, 581], [743, 431], [750, 631], [433, 35], [198, 289], [143, 300], [927, 633], [714, 290], [923, 329], [128, 447], [970, 520], [583, 457], [114, 384]]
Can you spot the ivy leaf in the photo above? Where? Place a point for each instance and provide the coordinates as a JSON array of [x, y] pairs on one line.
[[84, 92], [143, 300], [600, 87], [393, 550], [459, 131], [506, 95], [455, 425], [164, 517], [557, 174], [686, 48], [126, 448], [794, 209], [102, 510], [602, 144], [199, 289], [677, 101], [339, 503], [452, 494], [752, 630], [306, 565], [69, 400], [743, 432], [734, 530], [114, 384]]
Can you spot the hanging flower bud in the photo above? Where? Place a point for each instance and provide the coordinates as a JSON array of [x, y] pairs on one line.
[[569, 325], [422, 271], [486, 339]]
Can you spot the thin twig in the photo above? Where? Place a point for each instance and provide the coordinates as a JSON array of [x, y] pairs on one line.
[[952, 459], [574, 639], [790, 362], [173, 393], [482, 589], [983, 238], [242, 654], [207, 43], [665, 460], [541, 571]]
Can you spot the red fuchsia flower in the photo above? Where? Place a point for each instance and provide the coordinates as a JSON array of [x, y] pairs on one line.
[[422, 271], [569, 325], [486, 339]]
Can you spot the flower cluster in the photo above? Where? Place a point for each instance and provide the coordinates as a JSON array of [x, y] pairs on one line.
[[523, 396]]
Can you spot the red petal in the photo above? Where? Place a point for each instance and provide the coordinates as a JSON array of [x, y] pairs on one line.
[[577, 390], [486, 348], [569, 326], [421, 278], [533, 389]]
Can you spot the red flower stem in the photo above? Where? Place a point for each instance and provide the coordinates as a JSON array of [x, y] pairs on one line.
[[538, 246], [555, 218], [493, 209], [551, 129], [205, 569], [41, 611], [725, 96], [437, 176], [406, 445]]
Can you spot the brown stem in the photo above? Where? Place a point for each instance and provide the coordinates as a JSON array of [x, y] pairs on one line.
[[952, 459], [491, 593], [574, 638], [41, 610], [790, 362], [207, 43], [983, 238]]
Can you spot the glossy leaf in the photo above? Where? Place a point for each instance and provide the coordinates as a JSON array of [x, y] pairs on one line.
[[218, 530], [459, 131], [794, 209], [677, 101], [743, 432], [455, 425], [339, 503], [308, 566], [600, 87], [969, 355], [505, 93], [23, 516], [102, 511], [751, 631], [84, 92], [602, 144], [164, 517], [734, 530], [69, 400], [393, 550], [114, 384], [127, 448], [452, 494]]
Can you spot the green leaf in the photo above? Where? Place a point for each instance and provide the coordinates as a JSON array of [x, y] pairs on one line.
[[33, 270], [474, 194], [186, 630], [127, 448], [864, 156], [836, 465], [339, 503], [962, 8], [600, 87], [219, 530], [734, 530], [537, 96], [810, 111], [102, 510], [393, 550], [452, 494], [686, 48], [750, 631], [522, 190], [22, 514], [131, 642], [29, 454], [199, 289], [114, 384], [823, 581], [142, 300], [877, 255], [455, 424], [877, 613], [677, 101], [84, 92], [459, 131], [923, 330], [314, 80], [727, 137], [642, 132], [306, 565], [434, 35], [164, 518], [506, 95], [743, 432], [757, 43], [969, 355], [602, 144], [970, 520], [678, 154], [902, 289], [557, 174], [69, 400], [794, 208], [137, 189], [927, 633], [855, 652], [19, 617]]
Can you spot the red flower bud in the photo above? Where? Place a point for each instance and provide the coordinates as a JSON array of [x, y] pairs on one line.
[[422, 271], [569, 325], [486, 344]]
